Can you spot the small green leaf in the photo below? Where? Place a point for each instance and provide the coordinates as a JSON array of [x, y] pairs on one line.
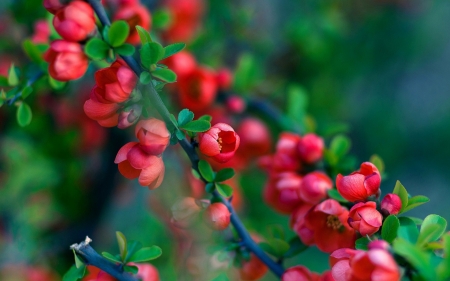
[[245, 75], [417, 221], [96, 49], [185, 116], [3, 81], [125, 50], [378, 162], [415, 201], [224, 174], [420, 260], [340, 145], [133, 247], [146, 254], [173, 49], [390, 228], [122, 241], [131, 269], [224, 189], [118, 33], [74, 273], [143, 34], [275, 247], [334, 194], [78, 262], [24, 114], [408, 230], [111, 257], [179, 134], [297, 102], [151, 53], [432, 228], [210, 187], [13, 80], [296, 246], [197, 126], [26, 92], [206, 170], [55, 84], [362, 243], [145, 77], [161, 18], [205, 118], [400, 190], [166, 75], [32, 51]]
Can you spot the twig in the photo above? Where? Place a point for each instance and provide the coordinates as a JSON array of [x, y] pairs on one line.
[[30, 82]]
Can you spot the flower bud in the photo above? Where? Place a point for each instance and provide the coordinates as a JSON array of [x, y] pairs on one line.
[[281, 192], [181, 63], [75, 21], [252, 269], [220, 142], [41, 32], [224, 78], [391, 203], [255, 138], [66, 60], [379, 244], [365, 218], [146, 272], [359, 185], [53, 5], [153, 136], [235, 104], [134, 15], [217, 216], [310, 148], [184, 212], [297, 273], [130, 116], [314, 187]]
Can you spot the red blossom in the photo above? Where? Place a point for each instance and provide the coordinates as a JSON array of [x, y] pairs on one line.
[[391, 203], [53, 5], [153, 136], [310, 148], [299, 273], [75, 21], [134, 15], [67, 60], [359, 185], [281, 192], [365, 218], [252, 269], [220, 142], [255, 138], [217, 216], [185, 19], [314, 187]]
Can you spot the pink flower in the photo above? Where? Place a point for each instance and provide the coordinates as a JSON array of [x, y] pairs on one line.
[[391, 203], [357, 265], [314, 187], [286, 157], [75, 21], [255, 138], [224, 78], [181, 63], [359, 185], [365, 218], [134, 15], [281, 192], [299, 273], [217, 216], [298, 225], [310, 148], [153, 136], [41, 32], [146, 272], [328, 222], [186, 16], [66, 60], [220, 142], [198, 89]]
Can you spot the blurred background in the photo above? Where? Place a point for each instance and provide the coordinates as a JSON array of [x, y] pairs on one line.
[[375, 70]]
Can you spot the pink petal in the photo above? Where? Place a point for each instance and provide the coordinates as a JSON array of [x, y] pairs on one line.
[[96, 110], [138, 158], [114, 93], [123, 151], [127, 171], [127, 79], [150, 176]]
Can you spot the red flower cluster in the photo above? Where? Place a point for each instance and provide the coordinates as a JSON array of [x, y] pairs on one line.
[[143, 159]]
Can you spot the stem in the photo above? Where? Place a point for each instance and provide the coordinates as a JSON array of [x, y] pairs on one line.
[[192, 154], [30, 82], [91, 257]]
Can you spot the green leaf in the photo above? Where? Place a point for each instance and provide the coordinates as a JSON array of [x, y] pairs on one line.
[[151, 53], [400, 190], [32, 51], [185, 116], [432, 228], [161, 18], [24, 114], [210, 187], [3, 81], [146, 254], [166, 75], [415, 201], [205, 118], [118, 33], [417, 221], [74, 273], [179, 134], [408, 230], [390, 228], [173, 49], [133, 247], [55, 84], [419, 259], [224, 174], [340, 145], [131, 268], [378, 162], [13, 80], [296, 246], [334, 194], [111, 257], [245, 75], [125, 50], [145, 77], [78, 262], [96, 49], [276, 247], [362, 243], [143, 34], [224, 189], [297, 102], [26, 92], [122, 241], [443, 269], [197, 126], [206, 170]]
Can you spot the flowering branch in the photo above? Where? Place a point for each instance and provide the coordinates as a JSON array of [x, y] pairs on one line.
[[276, 268]]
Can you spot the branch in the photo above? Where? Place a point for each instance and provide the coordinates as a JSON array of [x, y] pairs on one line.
[[91, 257], [192, 154], [30, 82]]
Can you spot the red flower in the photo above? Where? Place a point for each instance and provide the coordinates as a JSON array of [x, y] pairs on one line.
[[356, 265], [224, 78], [391, 203], [286, 157], [281, 192], [365, 218], [75, 21], [41, 32], [328, 221], [252, 269], [299, 273], [359, 185], [310, 148], [186, 16], [66, 60], [314, 187], [146, 272], [235, 104], [217, 216], [255, 138], [134, 15], [52, 5], [220, 142], [297, 223], [114, 85], [95, 274], [181, 63], [153, 136], [198, 89]]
